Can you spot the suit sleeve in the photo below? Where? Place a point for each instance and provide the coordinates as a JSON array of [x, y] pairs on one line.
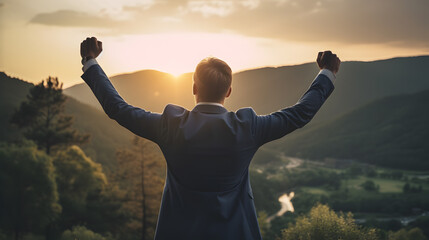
[[137, 120], [278, 124]]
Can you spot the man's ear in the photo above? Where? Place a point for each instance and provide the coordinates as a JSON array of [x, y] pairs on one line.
[[194, 89], [229, 92]]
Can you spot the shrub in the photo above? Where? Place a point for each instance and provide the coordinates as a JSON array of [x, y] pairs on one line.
[[81, 233], [323, 223]]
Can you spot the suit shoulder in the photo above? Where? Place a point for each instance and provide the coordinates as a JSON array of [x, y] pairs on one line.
[[247, 112], [171, 109]]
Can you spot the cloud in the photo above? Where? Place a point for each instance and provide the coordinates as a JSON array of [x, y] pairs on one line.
[[209, 8], [251, 4], [70, 18], [359, 22]]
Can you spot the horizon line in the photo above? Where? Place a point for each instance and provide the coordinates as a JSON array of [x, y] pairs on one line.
[[236, 72], [263, 67]]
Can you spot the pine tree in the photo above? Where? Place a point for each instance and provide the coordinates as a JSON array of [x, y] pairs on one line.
[[42, 120], [140, 177]]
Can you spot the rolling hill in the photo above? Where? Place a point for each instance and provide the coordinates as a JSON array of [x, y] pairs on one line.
[[391, 132], [374, 114], [106, 135], [269, 89]]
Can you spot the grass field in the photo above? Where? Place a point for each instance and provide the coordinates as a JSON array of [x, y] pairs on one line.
[[354, 184], [315, 190], [386, 185]]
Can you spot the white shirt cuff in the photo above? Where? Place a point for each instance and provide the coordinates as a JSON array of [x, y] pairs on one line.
[[329, 74], [88, 64]]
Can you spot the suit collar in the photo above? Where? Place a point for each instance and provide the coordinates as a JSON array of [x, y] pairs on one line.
[[209, 108], [210, 103]]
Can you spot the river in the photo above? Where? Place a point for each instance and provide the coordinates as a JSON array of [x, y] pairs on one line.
[[286, 206]]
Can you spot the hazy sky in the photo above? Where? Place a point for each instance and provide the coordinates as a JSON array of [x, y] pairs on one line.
[[42, 38]]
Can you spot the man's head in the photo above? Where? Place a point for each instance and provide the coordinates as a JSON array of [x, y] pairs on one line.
[[212, 80]]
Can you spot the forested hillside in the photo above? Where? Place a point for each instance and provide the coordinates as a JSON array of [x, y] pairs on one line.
[[106, 134], [390, 132]]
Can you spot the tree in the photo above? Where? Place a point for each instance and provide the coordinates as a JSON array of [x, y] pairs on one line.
[[403, 234], [28, 192], [77, 177], [264, 225], [422, 223], [397, 175], [81, 233], [371, 172], [406, 188], [370, 186], [323, 223], [42, 120], [140, 176], [354, 170]]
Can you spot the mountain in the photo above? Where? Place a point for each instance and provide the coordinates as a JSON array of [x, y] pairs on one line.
[[269, 89], [148, 88], [12, 92], [364, 119], [391, 132], [106, 135]]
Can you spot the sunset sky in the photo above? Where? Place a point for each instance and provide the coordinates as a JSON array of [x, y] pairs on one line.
[[42, 38]]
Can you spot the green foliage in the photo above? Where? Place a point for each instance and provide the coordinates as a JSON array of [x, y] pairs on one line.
[[263, 224], [378, 203], [140, 180], [397, 174], [28, 192], [265, 192], [404, 234], [370, 186], [323, 223], [422, 223], [267, 189], [87, 119], [389, 225], [408, 188], [12, 93], [354, 170], [81, 233], [374, 133], [104, 144], [77, 176], [41, 117], [371, 172]]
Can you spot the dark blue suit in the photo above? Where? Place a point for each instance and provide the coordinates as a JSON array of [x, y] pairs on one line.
[[207, 194]]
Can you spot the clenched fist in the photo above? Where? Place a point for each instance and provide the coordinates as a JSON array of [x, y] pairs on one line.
[[90, 48], [329, 61]]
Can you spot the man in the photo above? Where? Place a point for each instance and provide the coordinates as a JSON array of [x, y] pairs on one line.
[[207, 193]]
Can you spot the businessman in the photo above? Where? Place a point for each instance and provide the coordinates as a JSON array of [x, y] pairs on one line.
[[207, 193]]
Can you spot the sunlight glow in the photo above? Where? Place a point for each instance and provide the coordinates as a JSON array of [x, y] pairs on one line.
[[178, 53]]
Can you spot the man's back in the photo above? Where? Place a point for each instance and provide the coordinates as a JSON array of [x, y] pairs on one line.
[[207, 194], [208, 149]]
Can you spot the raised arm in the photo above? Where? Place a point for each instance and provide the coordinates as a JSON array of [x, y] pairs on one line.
[[137, 120], [278, 124]]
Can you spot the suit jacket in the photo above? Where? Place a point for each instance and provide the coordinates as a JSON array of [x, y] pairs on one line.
[[207, 193]]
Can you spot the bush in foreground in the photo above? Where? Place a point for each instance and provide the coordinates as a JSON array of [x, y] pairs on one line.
[[403, 234], [81, 233], [322, 223]]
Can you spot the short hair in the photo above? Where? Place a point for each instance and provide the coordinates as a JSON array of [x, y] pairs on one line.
[[213, 78]]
